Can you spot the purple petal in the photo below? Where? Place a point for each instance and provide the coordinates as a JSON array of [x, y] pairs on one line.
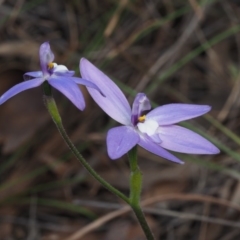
[[37, 74], [174, 113], [46, 56], [120, 140], [156, 149], [70, 89], [183, 140], [20, 88], [115, 103], [140, 104], [87, 84]]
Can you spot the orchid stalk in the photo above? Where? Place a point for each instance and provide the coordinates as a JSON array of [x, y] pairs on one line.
[[154, 130], [135, 192], [59, 77], [53, 111], [136, 176]]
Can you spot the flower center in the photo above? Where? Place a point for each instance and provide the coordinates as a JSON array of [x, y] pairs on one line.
[[50, 65], [142, 118], [149, 127]]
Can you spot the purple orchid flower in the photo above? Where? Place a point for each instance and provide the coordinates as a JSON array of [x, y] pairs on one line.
[[58, 76], [154, 131]]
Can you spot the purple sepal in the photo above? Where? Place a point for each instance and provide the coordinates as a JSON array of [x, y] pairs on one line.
[[46, 56], [87, 83], [114, 103], [183, 140], [156, 149], [140, 104], [173, 113], [120, 140], [70, 89], [31, 75], [20, 87]]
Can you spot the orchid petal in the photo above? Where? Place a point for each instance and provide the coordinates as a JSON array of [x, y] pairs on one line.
[[37, 74], [46, 56], [120, 140], [87, 83], [20, 88], [140, 104], [183, 140], [115, 103], [174, 113], [149, 145], [70, 89]]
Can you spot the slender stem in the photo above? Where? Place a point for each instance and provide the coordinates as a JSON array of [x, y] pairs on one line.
[[136, 176], [135, 192], [142, 220], [53, 110]]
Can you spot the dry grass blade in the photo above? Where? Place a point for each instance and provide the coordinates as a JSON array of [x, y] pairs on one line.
[[115, 18], [97, 223], [172, 53], [197, 9], [184, 197]]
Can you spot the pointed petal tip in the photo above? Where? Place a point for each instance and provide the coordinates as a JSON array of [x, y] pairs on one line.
[[177, 112], [81, 108], [46, 43], [113, 101], [214, 150], [1, 101], [20, 87], [179, 139], [83, 61], [208, 108], [113, 157]]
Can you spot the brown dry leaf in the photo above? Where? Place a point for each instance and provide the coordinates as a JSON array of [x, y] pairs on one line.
[[60, 169], [6, 227], [236, 194], [123, 229], [118, 230], [54, 236], [15, 185], [18, 48], [213, 231], [167, 187], [136, 233], [152, 176], [115, 18], [93, 236]]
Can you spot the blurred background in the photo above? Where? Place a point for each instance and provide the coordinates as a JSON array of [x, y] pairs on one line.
[[175, 51]]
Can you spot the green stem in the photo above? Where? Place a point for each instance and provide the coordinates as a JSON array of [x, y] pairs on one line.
[[53, 110], [135, 192], [136, 175]]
